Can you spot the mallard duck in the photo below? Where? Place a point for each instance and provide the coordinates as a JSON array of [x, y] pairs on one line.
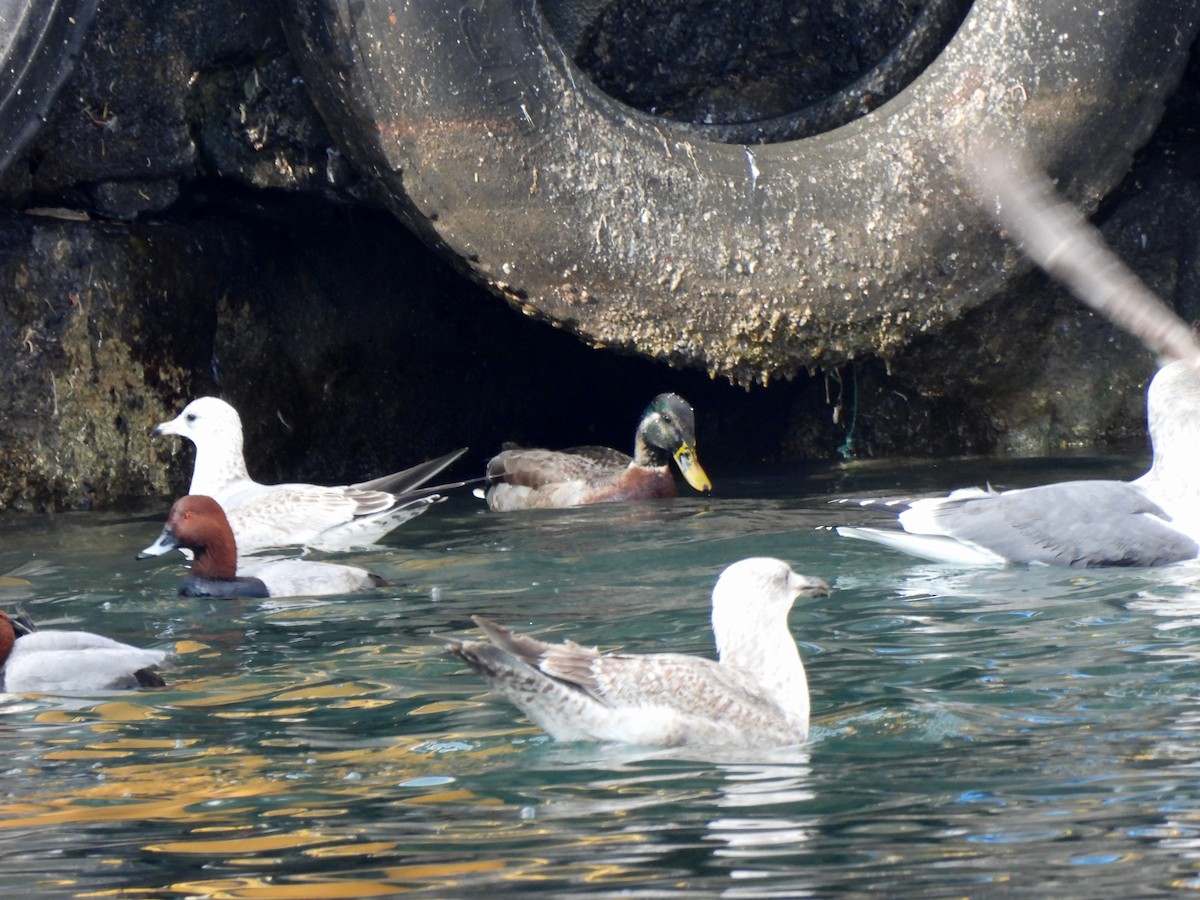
[[756, 696], [198, 523], [521, 478], [280, 515], [1151, 521]]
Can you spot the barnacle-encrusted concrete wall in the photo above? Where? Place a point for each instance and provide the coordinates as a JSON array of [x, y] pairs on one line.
[[184, 224]]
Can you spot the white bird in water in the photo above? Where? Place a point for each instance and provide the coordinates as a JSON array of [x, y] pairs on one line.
[[281, 515], [1151, 521], [756, 696]]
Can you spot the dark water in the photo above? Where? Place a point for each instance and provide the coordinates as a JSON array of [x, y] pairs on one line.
[[978, 733]]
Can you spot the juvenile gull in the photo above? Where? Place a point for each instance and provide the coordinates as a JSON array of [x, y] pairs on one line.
[[281, 515], [1151, 521], [756, 696]]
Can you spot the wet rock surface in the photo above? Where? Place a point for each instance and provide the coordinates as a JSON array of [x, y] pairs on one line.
[[205, 235]]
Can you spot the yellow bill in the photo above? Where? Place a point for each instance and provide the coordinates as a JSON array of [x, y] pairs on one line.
[[685, 458]]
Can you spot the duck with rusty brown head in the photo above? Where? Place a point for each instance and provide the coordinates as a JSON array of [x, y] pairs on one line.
[[198, 523], [523, 478], [53, 661]]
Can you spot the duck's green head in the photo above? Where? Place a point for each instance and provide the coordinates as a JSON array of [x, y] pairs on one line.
[[668, 428]]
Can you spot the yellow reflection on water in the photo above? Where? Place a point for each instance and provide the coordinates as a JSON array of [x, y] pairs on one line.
[[458, 796], [322, 692], [259, 889], [264, 713], [442, 706], [123, 711], [114, 711], [441, 871], [245, 694], [65, 811], [339, 850], [57, 717], [306, 812], [181, 793], [224, 794], [242, 845], [362, 703], [208, 785], [320, 887], [315, 686], [86, 754], [147, 744]]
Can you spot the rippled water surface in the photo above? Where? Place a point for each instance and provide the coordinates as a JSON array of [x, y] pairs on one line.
[[978, 733]]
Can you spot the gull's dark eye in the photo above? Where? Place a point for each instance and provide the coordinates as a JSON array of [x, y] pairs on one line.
[[191, 417]]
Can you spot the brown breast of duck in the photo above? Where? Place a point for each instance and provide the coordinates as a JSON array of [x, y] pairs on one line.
[[635, 483]]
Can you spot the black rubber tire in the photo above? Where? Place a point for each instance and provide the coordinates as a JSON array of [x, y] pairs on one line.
[[751, 261], [39, 40]]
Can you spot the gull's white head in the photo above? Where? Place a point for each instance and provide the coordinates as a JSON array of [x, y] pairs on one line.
[[757, 593], [204, 421], [216, 429], [1173, 418]]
